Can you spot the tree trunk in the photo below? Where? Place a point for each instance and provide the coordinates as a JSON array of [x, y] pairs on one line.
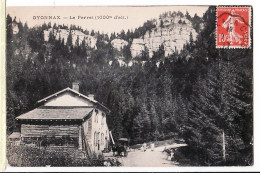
[[224, 147]]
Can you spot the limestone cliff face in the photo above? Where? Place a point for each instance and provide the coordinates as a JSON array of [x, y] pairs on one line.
[[64, 33], [170, 32], [119, 44]]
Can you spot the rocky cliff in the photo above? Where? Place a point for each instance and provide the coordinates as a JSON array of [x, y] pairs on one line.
[[171, 32], [119, 44], [76, 34]]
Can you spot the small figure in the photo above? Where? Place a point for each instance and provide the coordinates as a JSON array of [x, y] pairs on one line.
[[152, 146], [144, 147], [171, 156]]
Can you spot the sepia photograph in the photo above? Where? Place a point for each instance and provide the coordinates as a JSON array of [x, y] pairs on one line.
[[129, 86]]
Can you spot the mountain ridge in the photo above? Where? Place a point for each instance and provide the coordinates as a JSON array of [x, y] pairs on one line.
[[172, 30]]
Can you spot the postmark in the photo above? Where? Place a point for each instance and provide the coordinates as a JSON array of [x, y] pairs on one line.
[[233, 27]]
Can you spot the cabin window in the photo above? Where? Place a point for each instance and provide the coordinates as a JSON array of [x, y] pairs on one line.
[[45, 141], [102, 121], [27, 140], [102, 139], [95, 138], [96, 116], [97, 142]]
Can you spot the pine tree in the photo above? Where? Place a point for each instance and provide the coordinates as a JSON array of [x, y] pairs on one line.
[[234, 107], [202, 131], [69, 40], [77, 42], [191, 39]]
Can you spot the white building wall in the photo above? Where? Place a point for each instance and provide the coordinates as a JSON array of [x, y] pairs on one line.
[[68, 99], [100, 131]]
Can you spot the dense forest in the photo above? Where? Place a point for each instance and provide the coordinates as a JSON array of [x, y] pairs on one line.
[[200, 94]]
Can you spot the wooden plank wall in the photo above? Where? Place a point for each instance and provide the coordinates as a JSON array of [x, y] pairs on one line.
[[28, 130]]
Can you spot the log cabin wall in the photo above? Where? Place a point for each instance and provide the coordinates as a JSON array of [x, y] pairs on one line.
[[28, 130]]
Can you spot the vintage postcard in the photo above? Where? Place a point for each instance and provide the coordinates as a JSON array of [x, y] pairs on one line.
[[129, 86]]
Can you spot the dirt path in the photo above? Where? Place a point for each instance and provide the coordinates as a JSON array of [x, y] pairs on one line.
[[149, 158]]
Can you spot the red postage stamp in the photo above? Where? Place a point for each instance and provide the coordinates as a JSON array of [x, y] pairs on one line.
[[233, 27]]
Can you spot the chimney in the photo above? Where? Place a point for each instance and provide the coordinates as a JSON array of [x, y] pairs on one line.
[[75, 86], [91, 96]]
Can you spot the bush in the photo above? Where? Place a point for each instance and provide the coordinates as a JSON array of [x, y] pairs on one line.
[[187, 157], [24, 156]]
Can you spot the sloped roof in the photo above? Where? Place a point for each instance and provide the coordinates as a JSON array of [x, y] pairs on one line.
[[75, 92], [15, 135], [49, 113]]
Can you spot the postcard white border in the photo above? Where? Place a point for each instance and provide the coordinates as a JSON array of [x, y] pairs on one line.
[[256, 26]]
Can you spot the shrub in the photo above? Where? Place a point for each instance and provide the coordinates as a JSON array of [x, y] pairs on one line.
[[24, 156]]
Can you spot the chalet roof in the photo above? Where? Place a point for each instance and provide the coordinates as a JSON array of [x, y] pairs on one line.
[[14, 135], [75, 92], [50, 113]]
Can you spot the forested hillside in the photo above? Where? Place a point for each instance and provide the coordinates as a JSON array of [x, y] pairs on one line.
[[200, 94]]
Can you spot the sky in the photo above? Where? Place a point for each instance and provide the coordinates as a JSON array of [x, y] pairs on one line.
[[134, 16]]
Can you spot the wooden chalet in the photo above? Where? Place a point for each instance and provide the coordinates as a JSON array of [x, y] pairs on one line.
[[66, 119]]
